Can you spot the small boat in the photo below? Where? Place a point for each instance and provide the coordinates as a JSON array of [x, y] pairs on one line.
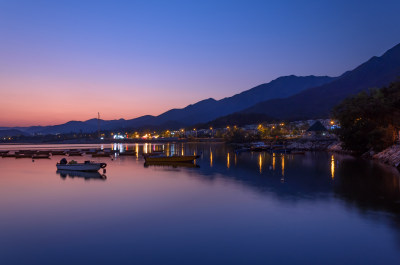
[[171, 164], [40, 156], [101, 155], [175, 158], [128, 153], [8, 155], [74, 153], [43, 152], [91, 152], [258, 147], [154, 153], [23, 155], [57, 153], [75, 166]]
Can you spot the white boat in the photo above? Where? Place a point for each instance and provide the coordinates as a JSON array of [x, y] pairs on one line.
[[86, 166]]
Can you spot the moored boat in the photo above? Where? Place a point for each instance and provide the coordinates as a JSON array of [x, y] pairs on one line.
[[75, 153], [128, 153], [8, 155], [75, 166], [171, 164], [175, 158], [57, 152], [101, 155], [154, 153], [40, 156], [23, 155]]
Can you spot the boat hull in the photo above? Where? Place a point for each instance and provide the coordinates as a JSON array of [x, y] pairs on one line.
[[171, 158]]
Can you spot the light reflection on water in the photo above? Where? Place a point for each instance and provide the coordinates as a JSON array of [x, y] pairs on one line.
[[255, 208]]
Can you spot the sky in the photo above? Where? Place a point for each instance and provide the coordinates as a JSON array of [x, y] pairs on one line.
[[67, 60]]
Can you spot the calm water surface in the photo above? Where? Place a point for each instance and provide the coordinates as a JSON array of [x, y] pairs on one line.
[[248, 208]]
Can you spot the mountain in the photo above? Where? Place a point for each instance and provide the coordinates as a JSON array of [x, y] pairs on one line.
[[210, 109], [11, 133], [317, 102], [200, 112]]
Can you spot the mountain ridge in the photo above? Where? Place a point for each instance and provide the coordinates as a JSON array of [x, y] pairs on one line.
[[317, 102]]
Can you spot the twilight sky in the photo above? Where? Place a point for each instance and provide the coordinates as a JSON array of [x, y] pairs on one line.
[[67, 60]]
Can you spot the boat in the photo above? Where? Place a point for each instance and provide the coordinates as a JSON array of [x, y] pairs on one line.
[[40, 156], [154, 153], [128, 153], [101, 155], [171, 164], [57, 153], [258, 147], [43, 152], [23, 155], [8, 155], [4, 152], [174, 158], [75, 166], [23, 152], [74, 153]]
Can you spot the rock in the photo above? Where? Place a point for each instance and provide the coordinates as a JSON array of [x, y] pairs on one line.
[[389, 156]]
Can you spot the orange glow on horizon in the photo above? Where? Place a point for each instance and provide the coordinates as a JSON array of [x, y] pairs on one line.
[[30, 102]]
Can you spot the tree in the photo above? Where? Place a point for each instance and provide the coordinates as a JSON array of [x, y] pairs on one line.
[[370, 120]]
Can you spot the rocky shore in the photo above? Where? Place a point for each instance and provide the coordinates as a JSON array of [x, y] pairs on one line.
[[390, 156], [332, 145]]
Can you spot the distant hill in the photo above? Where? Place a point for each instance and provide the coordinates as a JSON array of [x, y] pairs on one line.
[[317, 102], [11, 133]]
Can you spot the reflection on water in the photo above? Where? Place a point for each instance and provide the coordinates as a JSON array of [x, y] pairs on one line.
[[81, 174], [211, 158], [273, 161], [257, 208]]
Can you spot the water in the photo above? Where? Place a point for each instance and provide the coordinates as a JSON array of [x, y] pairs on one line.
[[248, 208]]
